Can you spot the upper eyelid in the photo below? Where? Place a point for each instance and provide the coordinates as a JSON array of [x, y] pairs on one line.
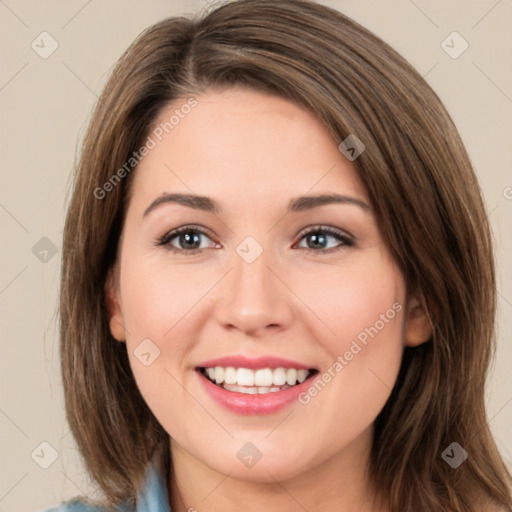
[[304, 231], [323, 227]]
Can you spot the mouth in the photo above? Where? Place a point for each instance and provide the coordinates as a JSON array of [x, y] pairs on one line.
[[254, 386], [260, 381]]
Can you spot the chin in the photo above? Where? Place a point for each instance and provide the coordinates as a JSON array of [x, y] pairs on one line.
[[260, 460]]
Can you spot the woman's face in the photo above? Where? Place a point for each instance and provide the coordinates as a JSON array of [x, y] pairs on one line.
[[272, 281]]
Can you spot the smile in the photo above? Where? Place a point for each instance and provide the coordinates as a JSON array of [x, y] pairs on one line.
[[252, 382], [254, 386]]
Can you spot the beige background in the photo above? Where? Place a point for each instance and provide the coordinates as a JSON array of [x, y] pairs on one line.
[[45, 104]]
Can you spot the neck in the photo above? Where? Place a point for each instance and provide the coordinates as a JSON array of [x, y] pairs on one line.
[[338, 484]]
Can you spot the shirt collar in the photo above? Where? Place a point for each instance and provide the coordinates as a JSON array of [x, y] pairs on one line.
[[154, 496]]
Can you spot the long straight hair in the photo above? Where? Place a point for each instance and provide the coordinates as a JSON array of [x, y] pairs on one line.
[[421, 184]]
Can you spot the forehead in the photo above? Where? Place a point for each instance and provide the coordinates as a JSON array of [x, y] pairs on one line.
[[243, 146]]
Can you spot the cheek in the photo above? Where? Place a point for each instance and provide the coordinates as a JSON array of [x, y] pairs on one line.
[[158, 296], [157, 303], [349, 301], [363, 309]]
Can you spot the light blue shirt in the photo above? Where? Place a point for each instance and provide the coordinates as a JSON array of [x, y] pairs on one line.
[[152, 498]]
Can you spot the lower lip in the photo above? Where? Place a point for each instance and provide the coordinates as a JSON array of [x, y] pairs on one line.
[[244, 403]]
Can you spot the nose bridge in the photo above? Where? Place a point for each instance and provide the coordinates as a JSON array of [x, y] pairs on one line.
[[252, 297], [251, 273]]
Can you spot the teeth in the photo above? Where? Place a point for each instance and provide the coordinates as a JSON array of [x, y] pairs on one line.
[[254, 390], [302, 375], [265, 378], [291, 376], [279, 377], [219, 374], [230, 375], [244, 377]]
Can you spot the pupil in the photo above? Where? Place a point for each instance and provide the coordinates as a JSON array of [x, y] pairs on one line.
[[187, 238], [316, 238]]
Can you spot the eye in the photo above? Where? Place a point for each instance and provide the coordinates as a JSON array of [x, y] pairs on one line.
[[319, 237], [188, 237]]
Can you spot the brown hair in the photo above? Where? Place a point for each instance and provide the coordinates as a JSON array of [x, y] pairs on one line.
[[422, 187]]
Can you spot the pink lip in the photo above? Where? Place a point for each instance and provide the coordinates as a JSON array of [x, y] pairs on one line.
[[253, 363], [243, 403]]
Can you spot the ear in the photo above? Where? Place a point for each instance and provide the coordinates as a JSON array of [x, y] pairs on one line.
[[418, 326], [112, 296]]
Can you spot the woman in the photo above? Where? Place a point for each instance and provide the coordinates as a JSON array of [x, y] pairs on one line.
[[278, 289]]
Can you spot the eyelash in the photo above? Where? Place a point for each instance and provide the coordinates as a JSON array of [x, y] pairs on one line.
[[341, 236]]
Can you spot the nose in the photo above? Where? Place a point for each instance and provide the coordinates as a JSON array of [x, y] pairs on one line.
[[254, 298]]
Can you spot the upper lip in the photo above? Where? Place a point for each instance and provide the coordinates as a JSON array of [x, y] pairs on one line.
[[239, 361]]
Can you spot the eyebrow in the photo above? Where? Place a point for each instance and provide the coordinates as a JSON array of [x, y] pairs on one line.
[[297, 204]]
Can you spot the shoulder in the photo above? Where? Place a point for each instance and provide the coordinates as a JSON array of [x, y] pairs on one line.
[[77, 505], [153, 496], [74, 506]]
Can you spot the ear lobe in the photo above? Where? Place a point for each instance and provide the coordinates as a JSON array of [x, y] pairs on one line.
[[114, 312], [418, 325]]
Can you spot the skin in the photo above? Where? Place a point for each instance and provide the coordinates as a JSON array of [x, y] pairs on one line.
[[253, 153]]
